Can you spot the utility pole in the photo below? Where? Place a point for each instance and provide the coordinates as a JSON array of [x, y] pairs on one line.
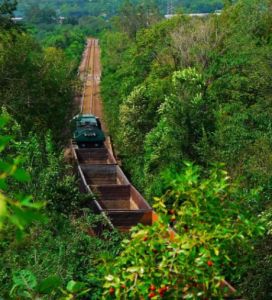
[[170, 7]]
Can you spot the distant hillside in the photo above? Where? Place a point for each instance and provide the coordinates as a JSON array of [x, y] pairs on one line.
[[77, 8]]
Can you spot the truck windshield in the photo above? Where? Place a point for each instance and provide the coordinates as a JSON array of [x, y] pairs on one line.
[[90, 122]]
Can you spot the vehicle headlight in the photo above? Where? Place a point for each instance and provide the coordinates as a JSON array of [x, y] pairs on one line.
[[90, 134]]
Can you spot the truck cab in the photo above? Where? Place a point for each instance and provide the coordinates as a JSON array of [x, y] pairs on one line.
[[87, 131]]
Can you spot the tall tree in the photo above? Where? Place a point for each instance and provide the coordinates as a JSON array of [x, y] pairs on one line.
[[133, 17], [7, 8]]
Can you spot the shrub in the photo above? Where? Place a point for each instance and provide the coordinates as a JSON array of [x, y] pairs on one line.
[[213, 237]]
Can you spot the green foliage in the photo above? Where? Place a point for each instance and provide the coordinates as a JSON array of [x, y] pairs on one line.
[[69, 38], [108, 8], [52, 259], [135, 16], [36, 86], [37, 15], [20, 211], [37, 90], [76, 9], [24, 281], [7, 8], [215, 113], [258, 274], [176, 126], [210, 217], [197, 90], [181, 89], [51, 178], [25, 285], [131, 93]]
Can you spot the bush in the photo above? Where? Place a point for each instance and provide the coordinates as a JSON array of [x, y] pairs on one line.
[[63, 248], [211, 218]]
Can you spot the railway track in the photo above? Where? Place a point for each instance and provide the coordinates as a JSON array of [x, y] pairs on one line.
[[100, 175], [114, 196]]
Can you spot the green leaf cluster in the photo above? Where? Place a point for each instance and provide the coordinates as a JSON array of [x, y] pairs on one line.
[[19, 210], [210, 220]]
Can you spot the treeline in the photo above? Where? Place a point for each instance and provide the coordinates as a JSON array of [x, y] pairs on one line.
[[79, 8], [197, 90], [68, 34], [70, 8], [65, 24]]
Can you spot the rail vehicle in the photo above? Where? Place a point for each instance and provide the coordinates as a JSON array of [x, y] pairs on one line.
[[87, 131]]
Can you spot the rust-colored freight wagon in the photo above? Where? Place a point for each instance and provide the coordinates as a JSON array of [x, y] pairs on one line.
[[114, 195]]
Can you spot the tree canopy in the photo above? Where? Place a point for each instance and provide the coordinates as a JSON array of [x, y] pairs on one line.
[[188, 105]]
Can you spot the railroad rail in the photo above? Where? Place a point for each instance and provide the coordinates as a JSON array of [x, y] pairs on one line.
[[100, 175]]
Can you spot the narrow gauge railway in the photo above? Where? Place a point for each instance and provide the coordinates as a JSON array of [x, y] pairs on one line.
[[100, 175]]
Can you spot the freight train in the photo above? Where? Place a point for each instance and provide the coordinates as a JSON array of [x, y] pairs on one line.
[[87, 131]]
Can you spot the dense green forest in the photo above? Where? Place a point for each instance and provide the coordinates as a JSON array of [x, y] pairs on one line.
[[65, 24], [188, 105], [197, 90], [79, 8], [37, 88]]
